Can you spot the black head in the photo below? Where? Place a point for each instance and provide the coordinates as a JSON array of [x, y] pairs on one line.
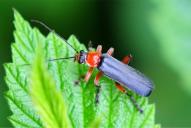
[[82, 57]]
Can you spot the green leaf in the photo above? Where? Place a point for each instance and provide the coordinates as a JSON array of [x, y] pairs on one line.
[[114, 109], [48, 100]]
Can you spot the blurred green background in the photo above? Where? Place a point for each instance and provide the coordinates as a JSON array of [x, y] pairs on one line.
[[156, 32]]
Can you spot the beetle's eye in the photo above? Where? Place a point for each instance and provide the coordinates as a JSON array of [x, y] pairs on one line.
[[82, 57]]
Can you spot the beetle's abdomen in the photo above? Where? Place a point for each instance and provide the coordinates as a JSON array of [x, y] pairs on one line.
[[125, 75]]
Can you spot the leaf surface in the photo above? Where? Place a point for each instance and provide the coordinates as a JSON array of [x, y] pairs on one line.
[[114, 109], [47, 99]]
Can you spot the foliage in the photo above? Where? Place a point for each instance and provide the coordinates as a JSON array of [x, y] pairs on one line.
[[171, 25], [114, 109], [47, 99]]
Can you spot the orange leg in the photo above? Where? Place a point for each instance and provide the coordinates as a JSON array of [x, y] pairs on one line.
[[126, 60], [110, 51], [88, 74], [96, 80], [90, 70], [99, 75], [99, 49], [120, 88], [123, 90]]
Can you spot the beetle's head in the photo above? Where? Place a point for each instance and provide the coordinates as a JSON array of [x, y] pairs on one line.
[[81, 57]]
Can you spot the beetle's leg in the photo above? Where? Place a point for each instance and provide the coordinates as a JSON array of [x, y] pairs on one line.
[[99, 75], [88, 74], [90, 70], [126, 60], [134, 102], [76, 82], [99, 49], [97, 94], [90, 46], [110, 51], [120, 88], [96, 82], [123, 90]]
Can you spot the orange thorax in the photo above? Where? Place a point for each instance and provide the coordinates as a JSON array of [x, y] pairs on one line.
[[93, 59]]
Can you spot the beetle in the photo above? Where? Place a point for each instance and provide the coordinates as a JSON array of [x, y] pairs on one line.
[[125, 76]]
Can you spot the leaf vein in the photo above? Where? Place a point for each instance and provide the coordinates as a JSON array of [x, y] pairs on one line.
[[22, 110]]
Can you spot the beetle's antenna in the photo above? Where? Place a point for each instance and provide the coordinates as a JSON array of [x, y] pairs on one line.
[[62, 58], [51, 30], [135, 102]]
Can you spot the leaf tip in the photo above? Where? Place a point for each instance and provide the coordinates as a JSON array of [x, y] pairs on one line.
[[72, 38], [14, 10], [16, 13]]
